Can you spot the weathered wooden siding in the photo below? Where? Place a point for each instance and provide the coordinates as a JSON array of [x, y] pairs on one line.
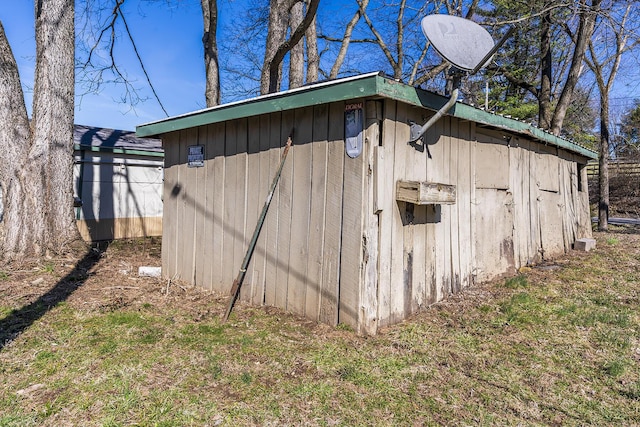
[[336, 245], [517, 202], [298, 261]]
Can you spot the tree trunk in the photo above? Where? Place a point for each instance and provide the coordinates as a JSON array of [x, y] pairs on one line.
[[546, 61], [276, 52], [346, 39], [276, 33], [296, 58], [603, 164], [313, 57], [15, 137], [53, 108], [37, 187], [585, 31], [210, 44]]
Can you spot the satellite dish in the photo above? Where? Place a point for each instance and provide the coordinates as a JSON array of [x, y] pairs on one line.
[[464, 44], [460, 41]]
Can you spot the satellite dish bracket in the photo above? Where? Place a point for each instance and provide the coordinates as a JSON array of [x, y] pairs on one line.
[[417, 131], [460, 65]]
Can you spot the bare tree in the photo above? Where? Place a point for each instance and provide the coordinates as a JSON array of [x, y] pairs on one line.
[[210, 44], [551, 73], [296, 54], [99, 23], [37, 168], [277, 45], [587, 18], [617, 34]]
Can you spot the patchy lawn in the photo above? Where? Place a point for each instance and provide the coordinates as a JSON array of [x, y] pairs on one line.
[[93, 344]]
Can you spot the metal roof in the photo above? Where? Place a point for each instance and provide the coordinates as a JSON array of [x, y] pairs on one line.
[[114, 140], [362, 86]]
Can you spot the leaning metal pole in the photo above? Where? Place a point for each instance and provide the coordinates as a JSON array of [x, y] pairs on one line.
[[235, 289]]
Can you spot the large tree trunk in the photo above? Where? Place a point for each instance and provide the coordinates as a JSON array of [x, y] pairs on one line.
[[53, 108], [313, 57], [296, 59], [276, 33], [277, 47], [15, 137], [37, 175], [210, 44]]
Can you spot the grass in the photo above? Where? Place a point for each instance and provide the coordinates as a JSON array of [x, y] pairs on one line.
[[546, 347]]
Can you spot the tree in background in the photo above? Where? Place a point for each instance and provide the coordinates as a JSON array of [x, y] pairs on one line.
[[210, 45], [616, 34], [543, 62], [286, 15], [628, 145], [36, 172]]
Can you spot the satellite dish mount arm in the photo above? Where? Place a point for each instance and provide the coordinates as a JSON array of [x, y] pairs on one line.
[[417, 131]]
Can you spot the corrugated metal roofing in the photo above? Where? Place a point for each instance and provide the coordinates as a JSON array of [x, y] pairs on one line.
[[366, 85], [101, 139]]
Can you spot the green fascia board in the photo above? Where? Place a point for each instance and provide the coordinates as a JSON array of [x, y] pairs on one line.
[[306, 96], [414, 96], [367, 85], [94, 149]]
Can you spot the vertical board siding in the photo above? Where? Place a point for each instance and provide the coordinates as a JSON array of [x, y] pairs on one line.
[[330, 290], [217, 187], [401, 288], [389, 212], [202, 220], [441, 245], [262, 183], [171, 144], [206, 254], [432, 136], [453, 211], [271, 268], [182, 192], [336, 246], [285, 187], [519, 186], [252, 288], [230, 188], [240, 243], [352, 227], [300, 211], [191, 205], [368, 316], [463, 203], [317, 210]]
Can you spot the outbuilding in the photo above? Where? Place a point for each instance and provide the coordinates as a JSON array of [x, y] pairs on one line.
[[117, 184], [364, 228]]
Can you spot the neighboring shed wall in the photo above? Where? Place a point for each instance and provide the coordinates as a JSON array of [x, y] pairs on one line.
[[336, 245], [118, 178], [121, 196]]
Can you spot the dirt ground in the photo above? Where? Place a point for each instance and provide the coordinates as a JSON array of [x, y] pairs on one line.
[[104, 278]]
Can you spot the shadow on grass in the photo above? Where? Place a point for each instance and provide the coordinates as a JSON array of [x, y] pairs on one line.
[[17, 321]]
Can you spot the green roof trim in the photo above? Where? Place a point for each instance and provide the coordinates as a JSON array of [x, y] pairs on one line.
[[366, 85], [94, 148]]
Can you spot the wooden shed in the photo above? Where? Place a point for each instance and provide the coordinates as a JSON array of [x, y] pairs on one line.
[[364, 228]]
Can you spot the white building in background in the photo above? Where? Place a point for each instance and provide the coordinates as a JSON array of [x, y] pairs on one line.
[[118, 180]]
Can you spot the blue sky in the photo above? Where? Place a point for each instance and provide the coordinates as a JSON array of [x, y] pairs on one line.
[[169, 41]]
